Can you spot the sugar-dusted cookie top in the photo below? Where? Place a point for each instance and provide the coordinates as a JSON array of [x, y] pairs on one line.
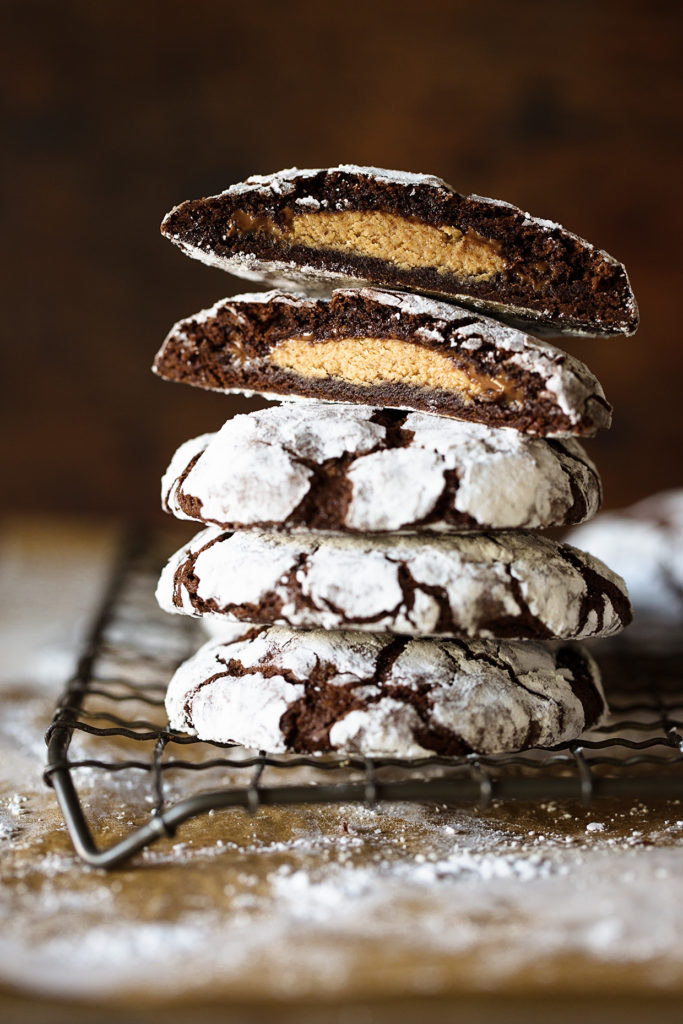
[[348, 225], [516, 584], [355, 469]]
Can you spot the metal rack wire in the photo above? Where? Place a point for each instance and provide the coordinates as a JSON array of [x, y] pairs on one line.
[[111, 719]]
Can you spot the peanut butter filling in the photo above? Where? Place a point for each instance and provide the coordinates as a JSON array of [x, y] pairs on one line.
[[374, 361], [386, 236]]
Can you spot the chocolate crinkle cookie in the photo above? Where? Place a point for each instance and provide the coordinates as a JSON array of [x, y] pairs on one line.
[[349, 224], [513, 585], [357, 469], [281, 690], [388, 349], [645, 545]]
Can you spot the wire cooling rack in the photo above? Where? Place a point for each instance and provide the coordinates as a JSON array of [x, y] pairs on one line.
[[111, 722]]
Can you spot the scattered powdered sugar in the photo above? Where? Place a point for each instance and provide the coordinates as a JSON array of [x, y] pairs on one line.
[[596, 921], [345, 901]]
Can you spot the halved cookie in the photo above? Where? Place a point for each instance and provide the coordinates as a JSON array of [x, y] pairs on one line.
[[363, 693], [349, 225], [385, 349], [354, 469], [517, 585]]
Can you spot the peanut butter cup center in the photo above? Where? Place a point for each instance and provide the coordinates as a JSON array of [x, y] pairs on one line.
[[374, 361], [398, 240]]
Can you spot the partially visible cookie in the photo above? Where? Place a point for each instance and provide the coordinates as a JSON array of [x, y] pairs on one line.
[[349, 224], [516, 585], [645, 545], [385, 349], [354, 469], [364, 693]]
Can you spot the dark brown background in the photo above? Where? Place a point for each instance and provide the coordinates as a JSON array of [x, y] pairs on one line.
[[115, 112]]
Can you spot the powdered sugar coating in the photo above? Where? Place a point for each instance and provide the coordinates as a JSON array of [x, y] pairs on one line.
[[567, 382], [260, 466], [287, 274], [487, 697], [505, 584], [567, 379], [292, 298], [282, 182], [645, 544]]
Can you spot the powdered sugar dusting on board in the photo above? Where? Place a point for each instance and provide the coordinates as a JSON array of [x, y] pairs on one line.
[[316, 902], [327, 902]]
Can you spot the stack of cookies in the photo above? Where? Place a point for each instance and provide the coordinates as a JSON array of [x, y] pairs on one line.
[[370, 545]]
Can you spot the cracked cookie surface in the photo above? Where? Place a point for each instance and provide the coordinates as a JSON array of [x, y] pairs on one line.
[[516, 585], [389, 350], [350, 224], [315, 691], [360, 469]]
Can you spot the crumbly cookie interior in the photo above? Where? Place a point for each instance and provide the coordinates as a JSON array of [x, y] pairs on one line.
[[398, 240], [370, 362]]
